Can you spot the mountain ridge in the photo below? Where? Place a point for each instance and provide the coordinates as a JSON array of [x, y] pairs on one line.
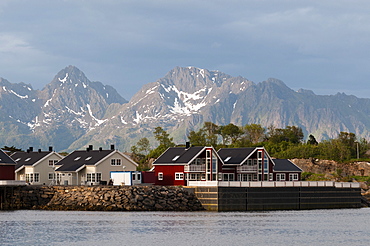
[[71, 111]]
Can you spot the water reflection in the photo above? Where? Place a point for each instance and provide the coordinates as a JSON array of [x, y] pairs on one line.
[[314, 227]]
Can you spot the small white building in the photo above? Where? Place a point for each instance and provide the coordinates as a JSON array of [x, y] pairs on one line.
[[126, 177]]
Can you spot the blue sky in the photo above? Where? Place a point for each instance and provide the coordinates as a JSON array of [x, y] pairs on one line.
[[318, 45]]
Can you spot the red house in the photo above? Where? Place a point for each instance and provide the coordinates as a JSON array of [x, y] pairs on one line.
[[7, 167], [179, 164]]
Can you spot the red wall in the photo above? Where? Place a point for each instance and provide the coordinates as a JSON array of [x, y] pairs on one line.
[[148, 177], [169, 174], [7, 172]]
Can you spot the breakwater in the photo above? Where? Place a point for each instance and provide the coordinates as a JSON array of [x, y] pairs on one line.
[[98, 198]]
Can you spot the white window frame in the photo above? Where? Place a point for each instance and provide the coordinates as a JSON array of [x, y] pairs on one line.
[[160, 176], [179, 176], [55, 175], [115, 162], [93, 177], [293, 176], [280, 177], [228, 177], [52, 163]]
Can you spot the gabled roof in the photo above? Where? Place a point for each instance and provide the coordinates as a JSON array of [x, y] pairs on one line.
[[29, 158], [284, 165], [235, 156], [5, 159], [180, 155], [81, 158]]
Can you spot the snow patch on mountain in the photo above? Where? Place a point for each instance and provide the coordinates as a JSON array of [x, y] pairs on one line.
[[22, 97], [64, 79]]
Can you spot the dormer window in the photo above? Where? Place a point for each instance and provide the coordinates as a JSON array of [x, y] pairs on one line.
[[77, 158], [175, 158], [227, 159]]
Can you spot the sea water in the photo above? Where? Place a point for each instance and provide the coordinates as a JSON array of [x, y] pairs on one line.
[[305, 227]]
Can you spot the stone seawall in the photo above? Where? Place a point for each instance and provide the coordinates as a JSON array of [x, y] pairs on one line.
[[99, 198]]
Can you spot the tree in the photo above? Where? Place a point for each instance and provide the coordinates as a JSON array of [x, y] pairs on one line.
[[197, 138], [290, 134], [164, 142], [312, 140], [211, 130], [11, 149], [255, 133], [230, 133], [143, 146], [163, 137]]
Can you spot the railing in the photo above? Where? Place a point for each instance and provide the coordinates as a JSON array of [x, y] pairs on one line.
[[247, 168], [275, 184], [195, 168]]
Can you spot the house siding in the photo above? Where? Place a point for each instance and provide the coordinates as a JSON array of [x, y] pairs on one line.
[[7, 172], [169, 174]]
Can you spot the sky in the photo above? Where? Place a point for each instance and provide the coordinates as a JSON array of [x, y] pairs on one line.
[[321, 46]]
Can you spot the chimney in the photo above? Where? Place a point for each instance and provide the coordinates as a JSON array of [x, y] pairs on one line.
[[187, 145], [31, 149], [90, 147], [51, 148], [100, 148], [28, 150], [39, 150], [112, 147], [87, 149]]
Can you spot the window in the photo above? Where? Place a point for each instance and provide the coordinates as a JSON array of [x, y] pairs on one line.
[[265, 166], [280, 177], [293, 176], [139, 176], [33, 177], [52, 162], [27, 159], [227, 159], [271, 177], [88, 158], [259, 154], [134, 176], [160, 176], [93, 177], [228, 177], [175, 158], [194, 176], [115, 162], [54, 176], [179, 176], [77, 158]]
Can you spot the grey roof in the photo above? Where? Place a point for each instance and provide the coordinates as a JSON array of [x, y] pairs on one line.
[[78, 158], [284, 165], [237, 155], [5, 159], [185, 155], [28, 158]]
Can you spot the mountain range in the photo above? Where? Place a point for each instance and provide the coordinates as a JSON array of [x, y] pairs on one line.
[[72, 112]]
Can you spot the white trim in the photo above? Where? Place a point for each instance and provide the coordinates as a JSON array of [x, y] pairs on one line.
[[179, 176], [160, 176], [112, 153], [47, 156]]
